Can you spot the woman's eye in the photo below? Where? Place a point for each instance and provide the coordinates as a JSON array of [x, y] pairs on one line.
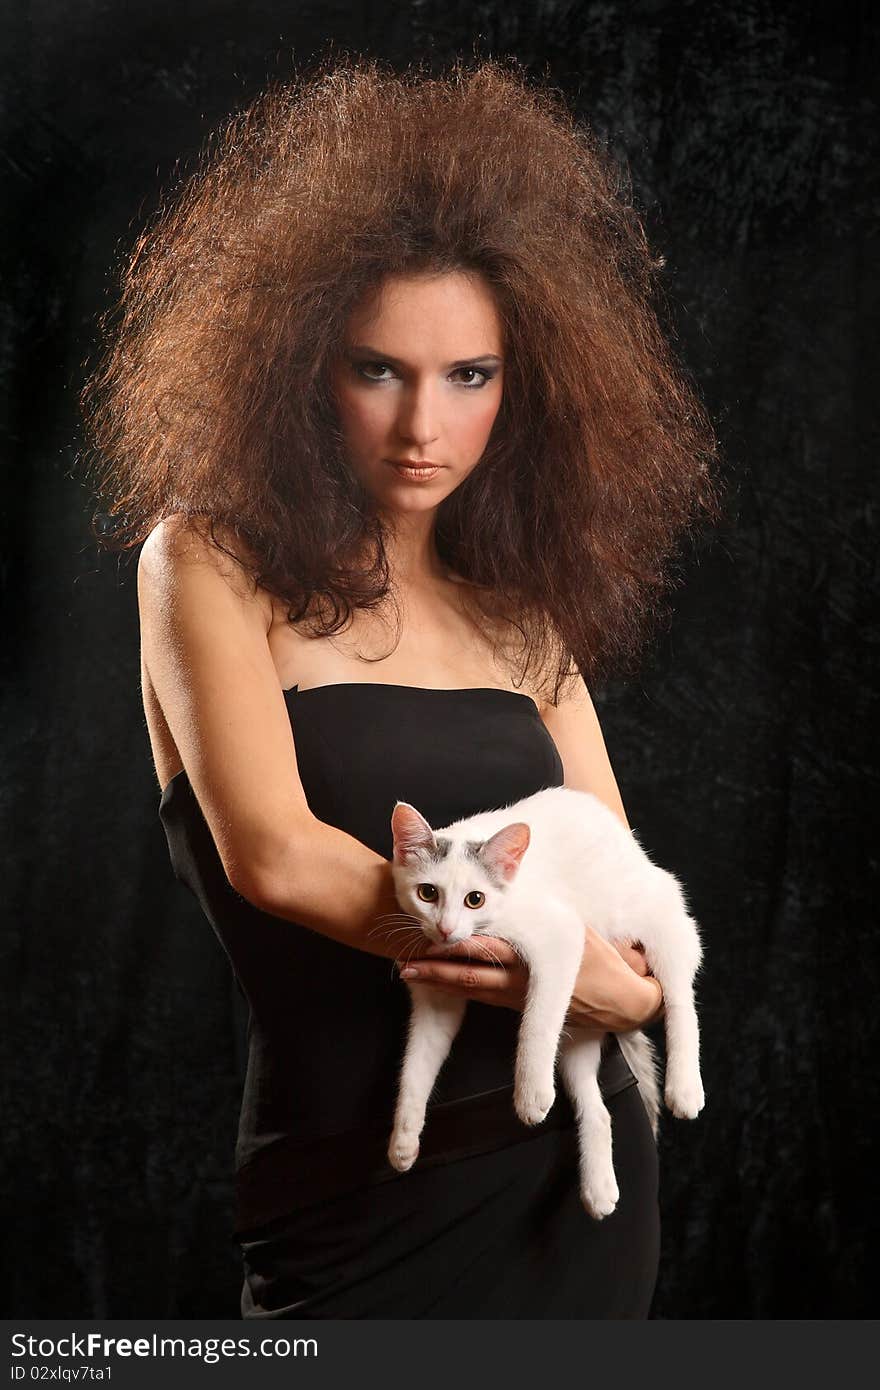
[[383, 367], [475, 898], [427, 892], [478, 371]]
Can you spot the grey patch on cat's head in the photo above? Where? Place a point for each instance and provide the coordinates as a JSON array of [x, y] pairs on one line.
[[472, 849]]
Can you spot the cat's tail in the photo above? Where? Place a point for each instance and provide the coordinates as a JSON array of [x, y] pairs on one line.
[[641, 1057]]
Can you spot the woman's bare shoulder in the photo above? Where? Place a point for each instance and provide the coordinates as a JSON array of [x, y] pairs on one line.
[[180, 540]]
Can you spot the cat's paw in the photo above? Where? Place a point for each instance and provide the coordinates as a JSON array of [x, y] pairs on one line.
[[600, 1194], [532, 1102], [403, 1150], [684, 1096]]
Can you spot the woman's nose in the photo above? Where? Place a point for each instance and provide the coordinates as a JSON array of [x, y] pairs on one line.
[[417, 416]]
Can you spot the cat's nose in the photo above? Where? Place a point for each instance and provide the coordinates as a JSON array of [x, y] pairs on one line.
[[445, 932]]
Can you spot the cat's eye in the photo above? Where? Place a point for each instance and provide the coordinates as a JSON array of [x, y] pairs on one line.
[[474, 898], [427, 892]]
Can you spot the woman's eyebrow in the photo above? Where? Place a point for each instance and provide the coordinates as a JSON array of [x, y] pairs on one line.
[[396, 362]]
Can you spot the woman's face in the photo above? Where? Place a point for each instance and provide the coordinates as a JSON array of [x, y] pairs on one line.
[[419, 379]]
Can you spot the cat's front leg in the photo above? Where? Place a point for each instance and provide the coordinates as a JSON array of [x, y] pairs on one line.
[[435, 1019], [579, 1063], [554, 959]]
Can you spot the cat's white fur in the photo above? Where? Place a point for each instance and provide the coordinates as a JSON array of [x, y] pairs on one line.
[[547, 865]]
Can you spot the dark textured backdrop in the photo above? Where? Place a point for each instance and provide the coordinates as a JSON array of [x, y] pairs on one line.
[[743, 749]]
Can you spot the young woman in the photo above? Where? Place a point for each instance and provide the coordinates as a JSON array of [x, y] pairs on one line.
[[393, 418]]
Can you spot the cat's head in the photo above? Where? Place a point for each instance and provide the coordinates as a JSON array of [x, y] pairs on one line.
[[455, 888]]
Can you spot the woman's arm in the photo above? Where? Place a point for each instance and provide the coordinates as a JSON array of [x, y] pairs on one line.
[[331, 882], [204, 645], [574, 727]]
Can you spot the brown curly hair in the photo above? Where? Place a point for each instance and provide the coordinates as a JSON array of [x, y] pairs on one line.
[[212, 398]]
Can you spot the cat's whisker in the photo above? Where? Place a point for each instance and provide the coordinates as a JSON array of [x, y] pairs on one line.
[[490, 957], [517, 951], [413, 948], [410, 947], [387, 930], [488, 954], [393, 931], [389, 917], [399, 961]]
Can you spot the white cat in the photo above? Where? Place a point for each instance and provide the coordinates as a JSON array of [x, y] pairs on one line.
[[475, 877]]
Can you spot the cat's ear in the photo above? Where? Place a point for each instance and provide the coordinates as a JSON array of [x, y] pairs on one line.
[[413, 836], [506, 848]]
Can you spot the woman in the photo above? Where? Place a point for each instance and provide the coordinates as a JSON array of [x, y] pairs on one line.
[[390, 411]]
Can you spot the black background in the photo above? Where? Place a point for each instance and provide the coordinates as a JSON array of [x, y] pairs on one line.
[[744, 747]]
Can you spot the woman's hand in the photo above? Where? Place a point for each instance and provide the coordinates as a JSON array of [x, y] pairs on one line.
[[613, 991]]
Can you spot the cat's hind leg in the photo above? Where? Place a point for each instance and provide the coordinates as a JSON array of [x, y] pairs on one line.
[[435, 1019], [579, 1061], [673, 950]]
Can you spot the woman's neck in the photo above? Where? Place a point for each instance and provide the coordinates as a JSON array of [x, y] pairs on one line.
[[411, 548]]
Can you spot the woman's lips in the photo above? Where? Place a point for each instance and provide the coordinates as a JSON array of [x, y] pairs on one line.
[[415, 473]]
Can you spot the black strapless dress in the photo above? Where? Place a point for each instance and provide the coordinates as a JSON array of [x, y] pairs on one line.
[[488, 1222]]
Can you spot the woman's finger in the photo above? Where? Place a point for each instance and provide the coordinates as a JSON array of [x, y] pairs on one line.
[[491, 948], [506, 989], [482, 996], [634, 957], [467, 976]]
